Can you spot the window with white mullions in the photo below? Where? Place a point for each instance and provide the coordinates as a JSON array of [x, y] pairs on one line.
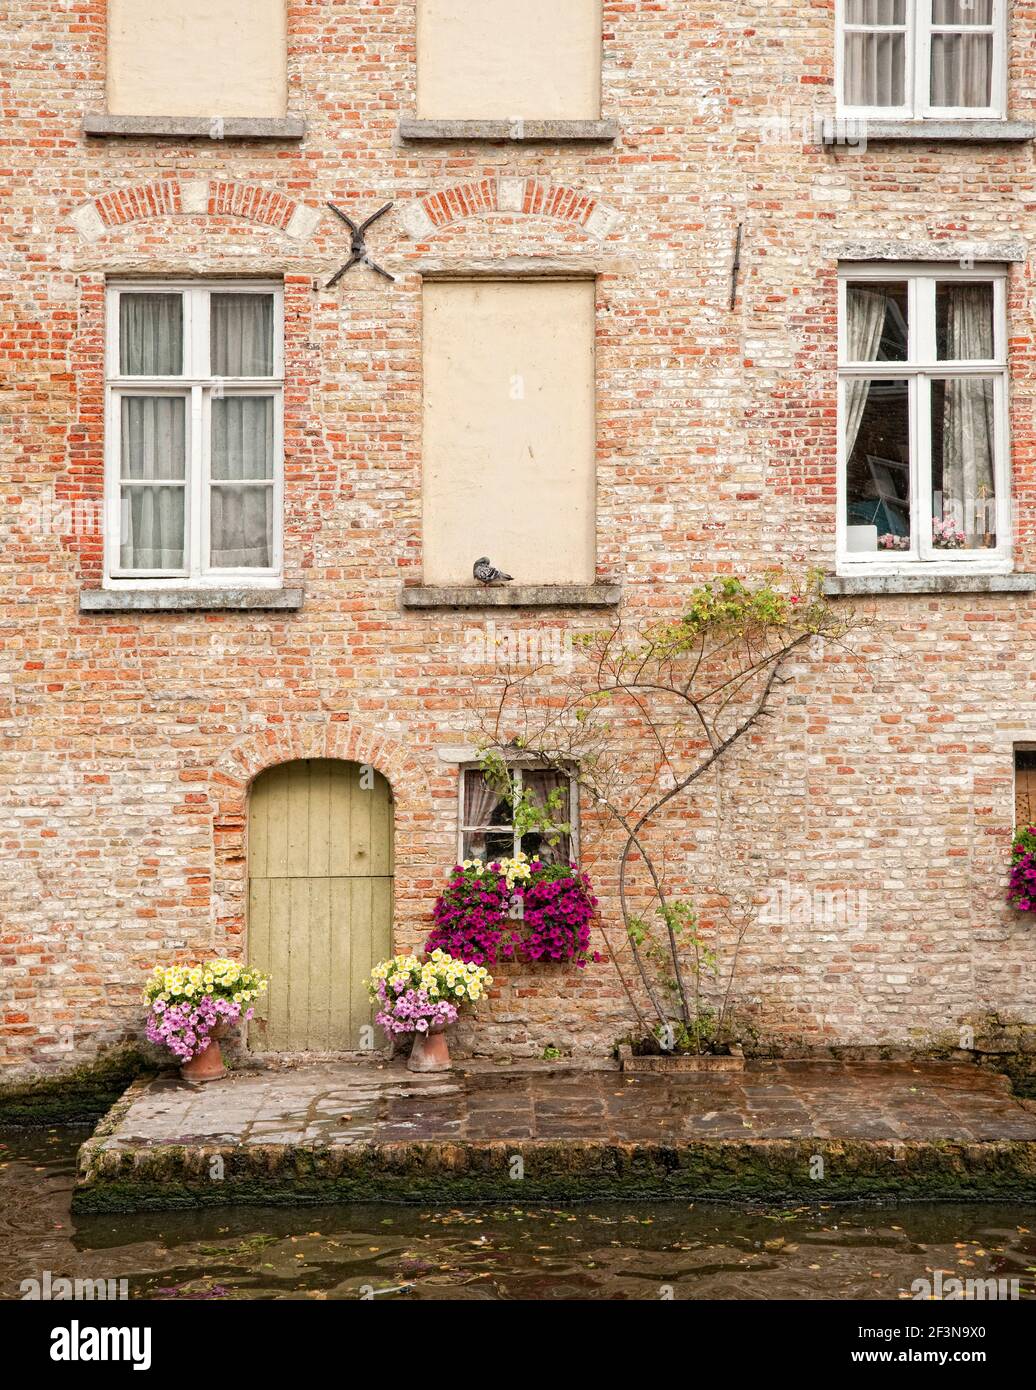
[[922, 58], [923, 455], [194, 433], [487, 829]]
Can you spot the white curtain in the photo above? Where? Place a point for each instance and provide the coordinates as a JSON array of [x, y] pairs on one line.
[[865, 313], [242, 334], [241, 512], [875, 63], [962, 64], [540, 783], [151, 334], [967, 451], [152, 456]]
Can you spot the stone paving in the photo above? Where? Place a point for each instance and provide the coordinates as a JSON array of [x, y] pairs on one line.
[[350, 1103], [340, 1131]]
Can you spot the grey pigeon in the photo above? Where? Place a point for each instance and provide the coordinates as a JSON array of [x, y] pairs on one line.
[[485, 573]]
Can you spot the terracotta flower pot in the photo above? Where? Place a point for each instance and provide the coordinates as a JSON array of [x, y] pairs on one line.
[[207, 1065], [430, 1051]]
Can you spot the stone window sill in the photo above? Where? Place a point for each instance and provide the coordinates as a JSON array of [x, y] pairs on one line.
[[854, 130], [515, 132], [513, 596], [186, 600], [845, 585], [197, 127]]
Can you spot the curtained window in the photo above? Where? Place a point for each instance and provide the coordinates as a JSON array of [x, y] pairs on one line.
[[922, 403], [915, 58], [194, 428], [487, 828]]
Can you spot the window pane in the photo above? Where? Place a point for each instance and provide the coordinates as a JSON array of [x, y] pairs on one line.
[[152, 528], [1025, 787], [482, 805], [876, 327], [875, 69], [964, 322], [875, 11], [962, 69], [877, 448], [241, 533], [488, 845], [153, 439], [151, 334], [962, 11], [242, 437], [542, 785], [963, 479], [242, 335]]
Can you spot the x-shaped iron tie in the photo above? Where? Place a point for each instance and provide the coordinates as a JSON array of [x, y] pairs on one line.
[[358, 249]]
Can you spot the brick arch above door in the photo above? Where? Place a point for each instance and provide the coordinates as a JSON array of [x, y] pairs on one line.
[[230, 778]]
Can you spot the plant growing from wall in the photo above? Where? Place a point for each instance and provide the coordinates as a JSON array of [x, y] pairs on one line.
[[639, 720]]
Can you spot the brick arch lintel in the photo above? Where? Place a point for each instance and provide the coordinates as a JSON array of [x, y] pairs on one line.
[[530, 197], [258, 203], [232, 775]]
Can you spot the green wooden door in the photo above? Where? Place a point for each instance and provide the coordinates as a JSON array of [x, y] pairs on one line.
[[319, 901]]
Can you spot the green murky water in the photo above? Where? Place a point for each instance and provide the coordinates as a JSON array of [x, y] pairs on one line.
[[633, 1251]]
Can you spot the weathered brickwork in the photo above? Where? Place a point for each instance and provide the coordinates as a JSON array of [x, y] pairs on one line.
[[128, 741]]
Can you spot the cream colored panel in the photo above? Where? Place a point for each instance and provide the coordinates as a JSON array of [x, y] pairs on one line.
[[507, 59], [509, 430], [197, 57]]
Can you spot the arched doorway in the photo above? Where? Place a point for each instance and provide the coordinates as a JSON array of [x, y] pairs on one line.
[[320, 871]]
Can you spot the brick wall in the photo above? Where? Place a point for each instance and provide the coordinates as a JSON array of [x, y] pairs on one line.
[[127, 741]]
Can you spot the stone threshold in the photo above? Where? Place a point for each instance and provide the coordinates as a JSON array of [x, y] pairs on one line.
[[846, 585], [196, 127], [512, 596], [187, 600], [361, 1133], [514, 132], [853, 131]]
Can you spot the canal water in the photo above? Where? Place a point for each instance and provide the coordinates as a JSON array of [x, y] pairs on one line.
[[633, 1251]]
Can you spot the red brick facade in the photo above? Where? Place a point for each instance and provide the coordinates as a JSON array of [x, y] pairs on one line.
[[128, 741]]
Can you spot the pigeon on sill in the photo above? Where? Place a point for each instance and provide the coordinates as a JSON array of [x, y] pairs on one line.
[[486, 573]]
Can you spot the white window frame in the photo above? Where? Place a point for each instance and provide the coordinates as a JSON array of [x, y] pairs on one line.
[[921, 367], [917, 79], [516, 769], [198, 388]]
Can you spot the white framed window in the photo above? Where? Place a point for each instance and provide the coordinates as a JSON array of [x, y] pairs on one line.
[[486, 821], [194, 433], [912, 59], [923, 477]]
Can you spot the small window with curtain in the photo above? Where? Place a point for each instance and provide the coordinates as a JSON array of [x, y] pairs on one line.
[[487, 818], [923, 471], [194, 432], [922, 58], [1025, 787]]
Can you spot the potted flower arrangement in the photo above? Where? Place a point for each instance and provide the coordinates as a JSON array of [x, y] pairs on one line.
[[422, 997], [190, 1007], [515, 909], [1022, 891]]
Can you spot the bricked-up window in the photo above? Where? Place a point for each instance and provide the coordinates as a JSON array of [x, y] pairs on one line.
[[487, 829], [197, 58], [509, 430], [502, 60], [922, 58], [923, 476], [1025, 786], [194, 432]]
